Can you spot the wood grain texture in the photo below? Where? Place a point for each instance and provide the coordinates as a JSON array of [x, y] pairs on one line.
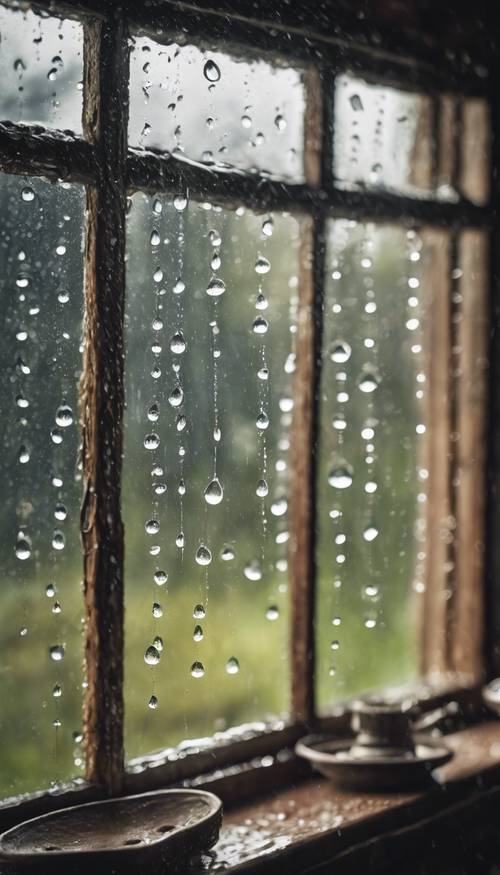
[[102, 401]]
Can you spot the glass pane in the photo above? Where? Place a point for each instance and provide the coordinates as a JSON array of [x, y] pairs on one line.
[[373, 465], [40, 556], [210, 333], [383, 138], [41, 68], [217, 109]]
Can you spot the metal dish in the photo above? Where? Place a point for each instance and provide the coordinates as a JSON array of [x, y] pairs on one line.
[[389, 769], [164, 827]]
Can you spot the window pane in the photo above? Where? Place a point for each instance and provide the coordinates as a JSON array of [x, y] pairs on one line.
[[40, 555], [210, 331], [41, 67], [217, 109], [381, 283]]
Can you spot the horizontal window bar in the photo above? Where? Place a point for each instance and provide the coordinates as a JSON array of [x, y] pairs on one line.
[[154, 173], [33, 150]]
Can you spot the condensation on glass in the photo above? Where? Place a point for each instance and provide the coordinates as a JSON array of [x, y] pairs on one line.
[[41, 68], [210, 353], [40, 556], [217, 109], [381, 285]]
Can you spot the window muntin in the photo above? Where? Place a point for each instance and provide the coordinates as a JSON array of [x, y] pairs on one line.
[[40, 481], [41, 67], [250, 115], [232, 357]]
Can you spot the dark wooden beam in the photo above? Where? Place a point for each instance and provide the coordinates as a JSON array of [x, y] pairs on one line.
[[33, 150], [102, 401]]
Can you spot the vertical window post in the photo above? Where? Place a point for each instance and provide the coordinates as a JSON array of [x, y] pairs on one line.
[[102, 399]]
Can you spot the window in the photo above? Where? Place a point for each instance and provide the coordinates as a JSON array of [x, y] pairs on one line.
[[263, 267]]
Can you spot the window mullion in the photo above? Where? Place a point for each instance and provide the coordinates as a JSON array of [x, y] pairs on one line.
[[304, 431], [105, 123]]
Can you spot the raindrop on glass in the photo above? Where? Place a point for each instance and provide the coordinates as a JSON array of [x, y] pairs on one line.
[[203, 555], [151, 655], [214, 492], [232, 665]]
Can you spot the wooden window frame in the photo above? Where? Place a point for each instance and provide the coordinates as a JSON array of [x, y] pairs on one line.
[[102, 161]]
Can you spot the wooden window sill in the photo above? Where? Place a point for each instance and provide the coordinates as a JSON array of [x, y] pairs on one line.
[[312, 825]]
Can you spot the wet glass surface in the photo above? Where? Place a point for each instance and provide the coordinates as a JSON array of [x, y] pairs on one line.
[[211, 297], [40, 556], [41, 68]]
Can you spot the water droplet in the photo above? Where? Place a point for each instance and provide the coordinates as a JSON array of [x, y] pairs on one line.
[[197, 633], [217, 435], [340, 352], [152, 527], [151, 441], [57, 652], [180, 202], [370, 533], [211, 71], [370, 591], [27, 194], [263, 373], [368, 379], [203, 555], [262, 421], [253, 571], [268, 227], [151, 655], [261, 303], [160, 577], [272, 613], [340, 475], [246, 121], [60, 512], [22, 401], [24, 455], [260, 325], [153, 413], [370, 622], [157, 324], [214, 492], [58, 540], [197, 669], [157, 610], [56, 436], [232, 665], [50, 590], [262, 265], [179, 287], [286, 405], [57, 691], [23, 548], [198, 612], [156, 372], [176, 396], [227, 554], [180, 422], [356, 103], [216, 287], [339, 422], [177, 343], [180, 541], [280, 122], [158, 643], [56, 608], [153, 703], [279, 507], [262, 488], [155, 238]]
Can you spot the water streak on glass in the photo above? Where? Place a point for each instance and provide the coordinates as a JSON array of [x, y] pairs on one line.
[[373, 474], [41, 68], [213, 291], [40, 555], [217, 109]]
